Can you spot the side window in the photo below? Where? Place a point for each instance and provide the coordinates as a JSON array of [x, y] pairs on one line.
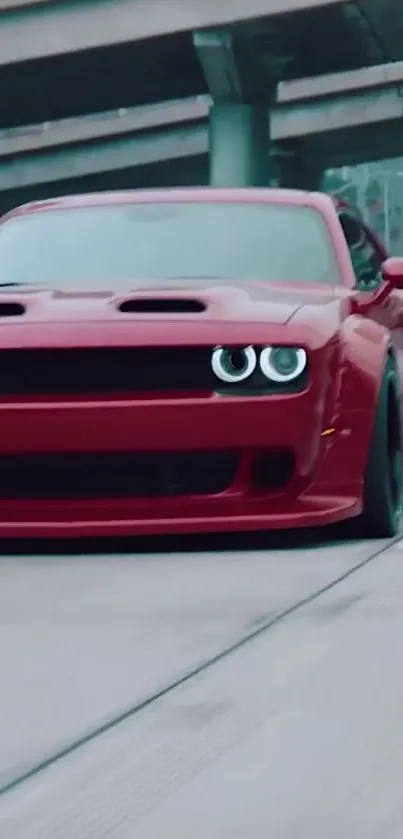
[[365, 258]]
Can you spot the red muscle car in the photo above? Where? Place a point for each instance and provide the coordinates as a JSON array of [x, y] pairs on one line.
[[197, 360]]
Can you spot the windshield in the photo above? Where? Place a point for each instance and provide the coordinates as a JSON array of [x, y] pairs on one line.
[[104, 246]]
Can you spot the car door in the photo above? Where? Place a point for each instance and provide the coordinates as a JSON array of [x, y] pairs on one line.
[[367, 255]]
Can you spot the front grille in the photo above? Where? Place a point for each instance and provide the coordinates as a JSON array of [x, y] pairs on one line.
[[105, 370], [116, 475], [123, 370]]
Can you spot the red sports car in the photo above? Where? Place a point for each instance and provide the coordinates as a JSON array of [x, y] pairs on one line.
[[197, 360]]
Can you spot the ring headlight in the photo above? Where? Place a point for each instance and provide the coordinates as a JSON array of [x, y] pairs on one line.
[[233, 365], [282, 364]]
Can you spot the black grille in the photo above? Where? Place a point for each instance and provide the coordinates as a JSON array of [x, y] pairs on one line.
[[162, 306], [115, 370], [272, 469], [9, 310], [111, 475], [105, 370]]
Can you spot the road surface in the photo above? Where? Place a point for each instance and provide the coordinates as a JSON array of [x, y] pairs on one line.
[[233, 691]]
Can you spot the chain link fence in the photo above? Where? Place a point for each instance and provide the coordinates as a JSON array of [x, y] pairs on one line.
[[376, 191]]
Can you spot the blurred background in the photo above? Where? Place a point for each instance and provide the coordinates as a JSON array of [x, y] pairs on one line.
[[99, 95], [376, 190]]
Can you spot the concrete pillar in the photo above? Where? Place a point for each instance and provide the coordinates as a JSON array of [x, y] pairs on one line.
[[239, 145]]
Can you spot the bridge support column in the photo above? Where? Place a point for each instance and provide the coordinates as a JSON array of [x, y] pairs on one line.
[[239, 145], [239, 117]]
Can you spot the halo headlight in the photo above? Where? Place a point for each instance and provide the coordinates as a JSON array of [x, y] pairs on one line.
[[282, 364], [233, 365]]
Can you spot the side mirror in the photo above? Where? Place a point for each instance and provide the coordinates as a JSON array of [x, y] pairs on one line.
[[392, 271]]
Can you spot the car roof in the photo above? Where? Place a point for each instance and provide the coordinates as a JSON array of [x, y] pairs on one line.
[[185, 194]]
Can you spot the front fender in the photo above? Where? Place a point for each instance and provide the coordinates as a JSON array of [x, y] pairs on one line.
[[365, 346], [362, 352]]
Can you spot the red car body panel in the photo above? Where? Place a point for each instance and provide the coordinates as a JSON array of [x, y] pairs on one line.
[[325, 427]]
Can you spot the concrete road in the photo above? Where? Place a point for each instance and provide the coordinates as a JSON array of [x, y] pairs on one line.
[[268, 741]]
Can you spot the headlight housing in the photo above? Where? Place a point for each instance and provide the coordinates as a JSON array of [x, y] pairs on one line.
[[282, 364], [233, 365]]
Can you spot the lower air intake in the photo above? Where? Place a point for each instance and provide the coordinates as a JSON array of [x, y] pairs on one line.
[[116, 475], [272, 469]]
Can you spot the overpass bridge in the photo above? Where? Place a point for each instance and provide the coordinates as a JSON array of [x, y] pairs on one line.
[[63, 59], [318, 123]]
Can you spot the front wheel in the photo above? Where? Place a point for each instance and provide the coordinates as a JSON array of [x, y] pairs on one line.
[[383, 484]]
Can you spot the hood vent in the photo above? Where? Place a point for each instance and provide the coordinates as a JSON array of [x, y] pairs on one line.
[[11, 310], [162, 306]]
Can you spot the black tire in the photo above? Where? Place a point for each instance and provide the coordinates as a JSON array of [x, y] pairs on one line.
[[383, 480]]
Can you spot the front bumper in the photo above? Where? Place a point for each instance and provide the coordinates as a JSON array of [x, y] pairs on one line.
[[160, 424], [325, 485]]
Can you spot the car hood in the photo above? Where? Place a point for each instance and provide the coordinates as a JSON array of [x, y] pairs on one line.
[[175, 300]]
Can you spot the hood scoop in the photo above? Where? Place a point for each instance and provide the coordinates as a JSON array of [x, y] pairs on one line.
[[161, 306], [11, 309]]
